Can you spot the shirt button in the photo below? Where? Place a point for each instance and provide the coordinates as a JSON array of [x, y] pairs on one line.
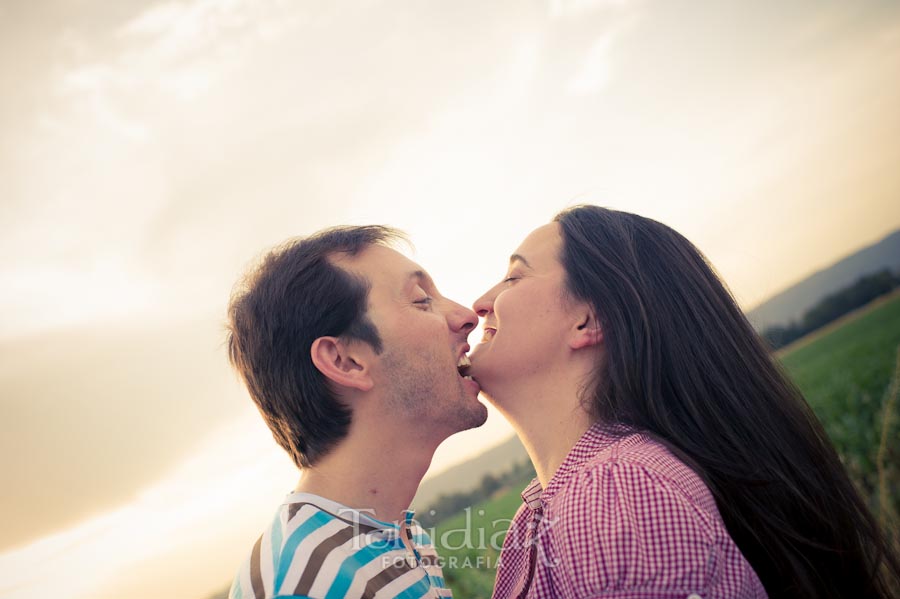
[[694, 596]]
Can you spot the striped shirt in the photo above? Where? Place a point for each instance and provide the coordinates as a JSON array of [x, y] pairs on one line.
[[622, 517], [320, 549]]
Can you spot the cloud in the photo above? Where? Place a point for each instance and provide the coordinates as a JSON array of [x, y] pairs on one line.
[[597, 58], [93, 85], [195, 509], [574, 8], [110, 289], [100, 410], [595, 71]]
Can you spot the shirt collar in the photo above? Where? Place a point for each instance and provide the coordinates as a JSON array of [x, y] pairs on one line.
[[347, 513], [532, 494]]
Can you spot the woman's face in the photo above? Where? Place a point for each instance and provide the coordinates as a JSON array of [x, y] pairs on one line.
[[526, 316]]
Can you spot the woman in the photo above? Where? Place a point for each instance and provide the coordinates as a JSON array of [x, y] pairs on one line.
[[674, 457]]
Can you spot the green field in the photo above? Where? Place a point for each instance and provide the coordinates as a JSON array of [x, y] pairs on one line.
[[469, 566], [844, 373]]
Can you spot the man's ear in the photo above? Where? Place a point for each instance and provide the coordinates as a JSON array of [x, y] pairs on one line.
[[586, 332], [341, 363]]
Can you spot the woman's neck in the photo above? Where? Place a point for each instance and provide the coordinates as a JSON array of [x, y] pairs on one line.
[[549, 423]]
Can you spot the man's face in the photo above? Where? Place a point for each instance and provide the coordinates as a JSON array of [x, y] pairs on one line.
[[424, 338]]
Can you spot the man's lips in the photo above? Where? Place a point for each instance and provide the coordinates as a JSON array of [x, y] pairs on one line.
[[462, 361], [463, 365]]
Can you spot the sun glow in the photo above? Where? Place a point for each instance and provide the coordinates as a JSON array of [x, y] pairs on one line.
[[236, 472]]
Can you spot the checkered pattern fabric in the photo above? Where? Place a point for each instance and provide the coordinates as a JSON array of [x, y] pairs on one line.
[[622, 517]]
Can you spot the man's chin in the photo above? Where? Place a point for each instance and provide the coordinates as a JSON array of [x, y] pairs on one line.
[[482, 416], [475, 414]]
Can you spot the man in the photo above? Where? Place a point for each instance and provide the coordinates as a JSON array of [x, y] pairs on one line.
[[352, 357]]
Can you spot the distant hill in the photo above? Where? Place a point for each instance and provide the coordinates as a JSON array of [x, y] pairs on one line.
[[467, 475], [791, 303]]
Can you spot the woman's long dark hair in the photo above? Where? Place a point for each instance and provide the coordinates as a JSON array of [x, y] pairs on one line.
[[684, 364]]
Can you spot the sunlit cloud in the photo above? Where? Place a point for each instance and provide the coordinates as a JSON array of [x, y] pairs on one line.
[[109, 289], [598, 61], [91, 84], [596, 70], [184, 47], [574, 8]]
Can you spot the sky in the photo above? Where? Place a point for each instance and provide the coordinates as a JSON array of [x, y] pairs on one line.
[[151, 151]]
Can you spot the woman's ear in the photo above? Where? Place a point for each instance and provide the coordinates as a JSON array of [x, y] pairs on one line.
[[342, 363], [586, 332]]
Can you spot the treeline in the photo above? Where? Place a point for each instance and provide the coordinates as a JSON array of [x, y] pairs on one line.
[[833, 307], [447, 505]]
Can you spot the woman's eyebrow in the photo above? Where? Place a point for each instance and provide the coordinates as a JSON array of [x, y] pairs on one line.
[[519, 258]]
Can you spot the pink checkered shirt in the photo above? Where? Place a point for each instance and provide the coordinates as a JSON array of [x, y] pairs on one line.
[[622, 517]]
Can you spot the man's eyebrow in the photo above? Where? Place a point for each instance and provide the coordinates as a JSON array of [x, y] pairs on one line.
[[520, 258], [419, 276]]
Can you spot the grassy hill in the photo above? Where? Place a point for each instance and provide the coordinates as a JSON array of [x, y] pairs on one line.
[[467, 475], [845, 373], [469, 542]]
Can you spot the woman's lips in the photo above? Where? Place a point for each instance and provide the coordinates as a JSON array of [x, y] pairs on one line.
[[489, 333]]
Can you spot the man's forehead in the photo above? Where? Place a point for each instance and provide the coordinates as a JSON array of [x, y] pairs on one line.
[[377, 262]]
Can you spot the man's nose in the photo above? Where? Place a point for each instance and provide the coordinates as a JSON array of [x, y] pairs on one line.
[[461, 318]]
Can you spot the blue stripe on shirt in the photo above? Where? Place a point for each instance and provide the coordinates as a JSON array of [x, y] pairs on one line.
[[236, 591], [415, 591], [311, 524], [276, 543], [348, 568]]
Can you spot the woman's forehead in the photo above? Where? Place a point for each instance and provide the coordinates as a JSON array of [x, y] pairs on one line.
[[541, 245]]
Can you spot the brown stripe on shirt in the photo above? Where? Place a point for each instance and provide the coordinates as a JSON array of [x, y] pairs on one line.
[[295, 507], [390, 573], [318, 556], [259, 591], [429, 560]]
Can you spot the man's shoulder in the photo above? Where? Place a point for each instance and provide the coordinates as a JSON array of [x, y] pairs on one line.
[[315, 547], [316, 531]]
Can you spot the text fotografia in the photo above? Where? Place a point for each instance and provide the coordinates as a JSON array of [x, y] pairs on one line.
[[451, 562], [488, 538]]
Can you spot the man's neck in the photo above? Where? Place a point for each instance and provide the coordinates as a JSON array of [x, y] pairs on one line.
[[376, 474]]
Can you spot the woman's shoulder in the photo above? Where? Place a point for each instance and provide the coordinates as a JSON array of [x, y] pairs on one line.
[[636, 514], [639, 458], [637, 473]]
